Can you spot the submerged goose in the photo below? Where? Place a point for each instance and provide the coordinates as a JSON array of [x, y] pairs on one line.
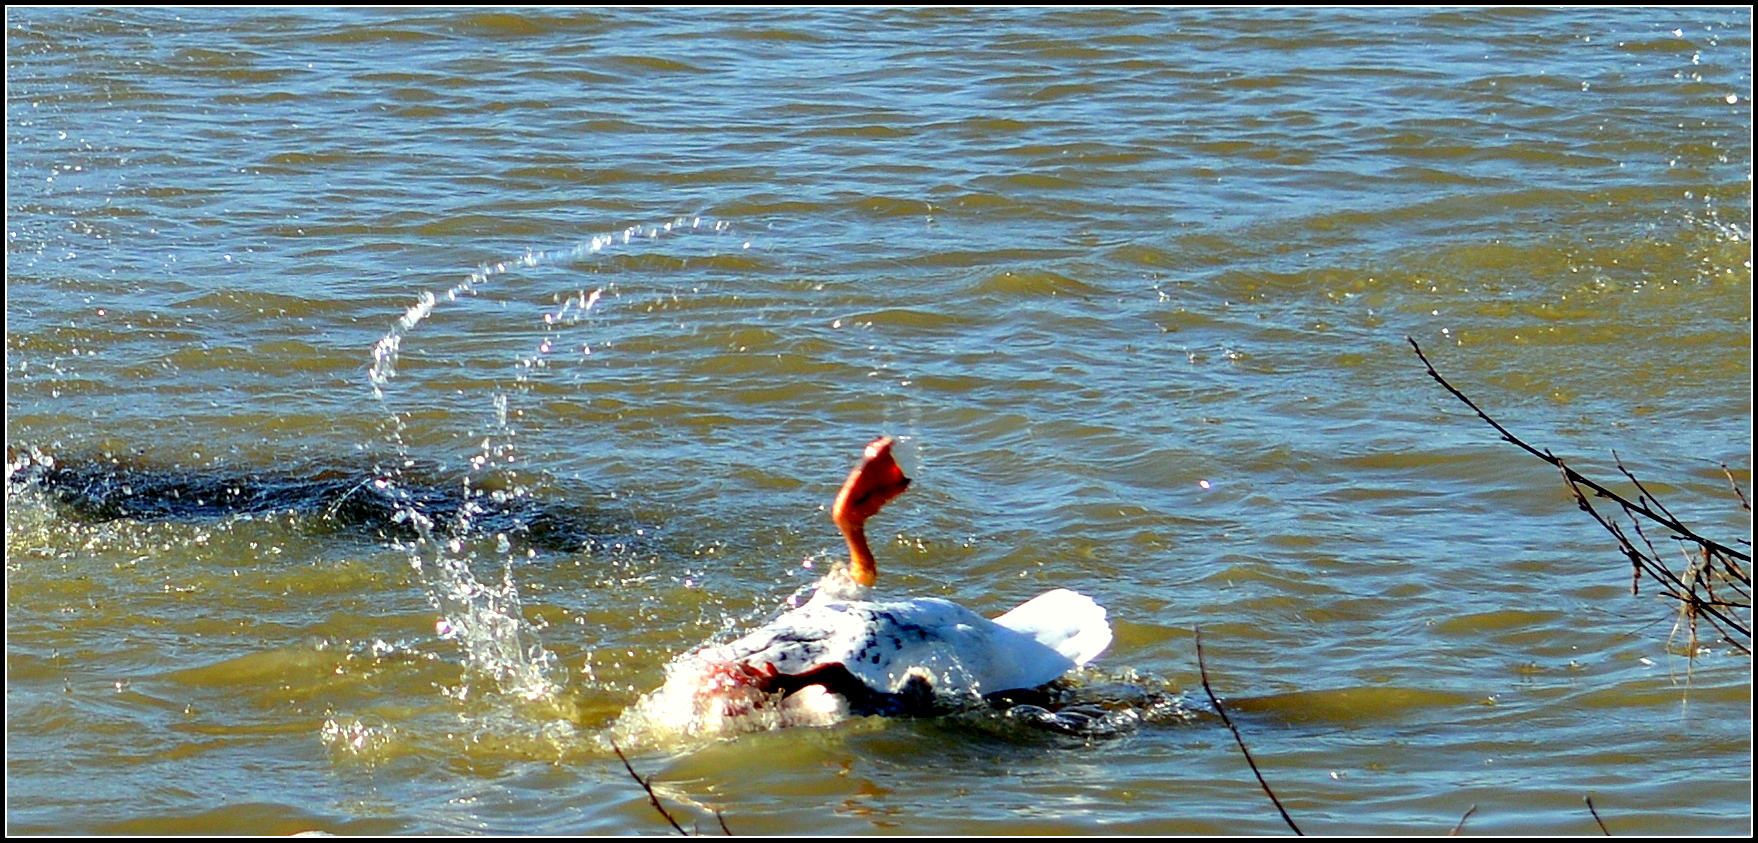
[[847, 653]]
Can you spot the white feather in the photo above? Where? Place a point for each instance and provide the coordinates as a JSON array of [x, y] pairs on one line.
[[1065, 621], [958, 651]]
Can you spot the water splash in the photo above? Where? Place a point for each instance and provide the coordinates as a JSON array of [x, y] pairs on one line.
[[487, 620], [1086, 705], [385, 352]]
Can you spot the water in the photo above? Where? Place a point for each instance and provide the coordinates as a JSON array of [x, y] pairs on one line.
[[1134, 284]]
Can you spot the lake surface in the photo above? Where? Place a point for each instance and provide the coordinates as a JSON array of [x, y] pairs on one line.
[[1132, 285]]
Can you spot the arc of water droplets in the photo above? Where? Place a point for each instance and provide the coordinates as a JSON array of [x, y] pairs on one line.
[[384, 352], [488, 621]]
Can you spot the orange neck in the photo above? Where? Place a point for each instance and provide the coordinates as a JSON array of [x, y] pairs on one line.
[[861, 566]]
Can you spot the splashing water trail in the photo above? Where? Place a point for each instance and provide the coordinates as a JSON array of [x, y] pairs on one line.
[[487, 620]]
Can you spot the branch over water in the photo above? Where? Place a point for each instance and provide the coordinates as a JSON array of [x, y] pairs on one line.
[[1715, 584]]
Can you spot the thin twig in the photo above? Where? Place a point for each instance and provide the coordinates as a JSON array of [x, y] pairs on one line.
[[1595, 813], [1216, 701], [722, 820], [1744, 504], [1645, 494], [651, 796], [1461, 826], [1693, 589], [1683, 531], [1671, 584]]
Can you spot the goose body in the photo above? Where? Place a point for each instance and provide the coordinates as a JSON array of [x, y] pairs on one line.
[[921, 652], [844, 652]]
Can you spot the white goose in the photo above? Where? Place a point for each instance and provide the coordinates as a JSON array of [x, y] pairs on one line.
[[844, 652]]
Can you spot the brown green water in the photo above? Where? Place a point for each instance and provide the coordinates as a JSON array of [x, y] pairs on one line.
[[1133, 285]]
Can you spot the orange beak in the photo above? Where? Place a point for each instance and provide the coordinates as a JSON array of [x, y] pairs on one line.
[[871, 485]]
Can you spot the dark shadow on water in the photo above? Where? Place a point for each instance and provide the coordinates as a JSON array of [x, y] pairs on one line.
[[357, 498]]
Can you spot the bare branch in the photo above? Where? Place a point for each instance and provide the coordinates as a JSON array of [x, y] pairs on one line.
[[1684, 532], [1694, 588], [1645, 494], [1461, 826], [1216, 701], [1744, 504], [651, 796], [1595, 813]]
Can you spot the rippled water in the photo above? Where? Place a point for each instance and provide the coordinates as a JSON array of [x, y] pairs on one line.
[[1133, 285]]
